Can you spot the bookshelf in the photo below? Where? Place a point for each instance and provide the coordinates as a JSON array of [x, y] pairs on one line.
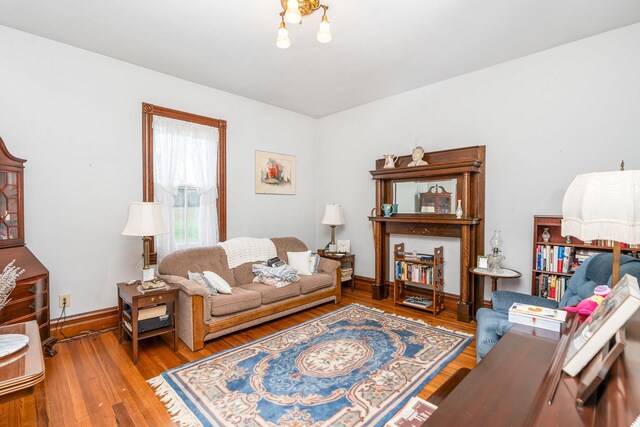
[[555, 261], [418, 282]]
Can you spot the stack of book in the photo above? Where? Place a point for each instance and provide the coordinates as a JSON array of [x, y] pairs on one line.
[[347, 274], [540, 317], [419, 302]]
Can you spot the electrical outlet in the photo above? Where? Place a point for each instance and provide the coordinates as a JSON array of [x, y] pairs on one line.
[[64, 300]]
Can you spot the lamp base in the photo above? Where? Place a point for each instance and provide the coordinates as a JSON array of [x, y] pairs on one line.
[[148, 274]]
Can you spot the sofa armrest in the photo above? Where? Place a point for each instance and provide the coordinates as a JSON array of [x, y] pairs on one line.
[[188, 286], [328, 265], [503, 300]]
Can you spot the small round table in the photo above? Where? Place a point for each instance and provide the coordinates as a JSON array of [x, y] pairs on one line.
[[504, 273]]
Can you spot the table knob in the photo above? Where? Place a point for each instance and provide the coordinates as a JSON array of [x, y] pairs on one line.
[[153, 299], [160, 297]]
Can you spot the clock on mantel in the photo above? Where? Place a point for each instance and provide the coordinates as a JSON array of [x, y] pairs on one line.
[[30, 298]]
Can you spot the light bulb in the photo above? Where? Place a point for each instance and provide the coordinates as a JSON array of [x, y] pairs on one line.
[[283, 41], [292, 15], [324, 33]]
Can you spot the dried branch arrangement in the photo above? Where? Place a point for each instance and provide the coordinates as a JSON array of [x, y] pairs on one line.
[[8, 281]]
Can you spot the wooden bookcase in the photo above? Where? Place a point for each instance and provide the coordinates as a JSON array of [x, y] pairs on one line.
[[431, 288], [574, 247]]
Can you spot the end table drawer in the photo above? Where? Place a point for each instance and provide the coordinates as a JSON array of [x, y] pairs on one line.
[[155, 299]]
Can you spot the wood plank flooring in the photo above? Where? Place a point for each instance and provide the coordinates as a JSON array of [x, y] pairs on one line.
[[92, 381]]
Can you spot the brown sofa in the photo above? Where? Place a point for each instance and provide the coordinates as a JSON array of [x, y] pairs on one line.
[[203, 316]]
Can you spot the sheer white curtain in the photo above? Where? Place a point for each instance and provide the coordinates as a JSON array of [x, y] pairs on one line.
[[185, 156]]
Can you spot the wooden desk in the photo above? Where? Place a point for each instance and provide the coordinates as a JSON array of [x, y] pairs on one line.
[[22, 370], [502, 389]]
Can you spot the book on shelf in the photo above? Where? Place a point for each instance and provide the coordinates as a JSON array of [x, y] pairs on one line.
[[551, 286], [150, 312], [554, 258], [540, 317], [419, 302], [415, 273], [602, 324]]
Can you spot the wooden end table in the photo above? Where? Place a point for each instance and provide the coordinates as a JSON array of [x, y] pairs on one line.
[[21, 371], [346, 260], [504, 273], [130, 298]]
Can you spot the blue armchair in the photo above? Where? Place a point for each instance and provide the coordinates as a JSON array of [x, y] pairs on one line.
[[493, 323]]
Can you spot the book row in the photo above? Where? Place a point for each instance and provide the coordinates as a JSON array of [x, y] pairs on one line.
[[415, 273], [555, 259], [551, 286]]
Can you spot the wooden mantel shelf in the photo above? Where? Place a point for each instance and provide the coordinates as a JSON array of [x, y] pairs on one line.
[[425, 220], [472, 166]]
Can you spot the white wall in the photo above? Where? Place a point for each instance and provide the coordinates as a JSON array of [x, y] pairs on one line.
[[76, 117], [544, 118]]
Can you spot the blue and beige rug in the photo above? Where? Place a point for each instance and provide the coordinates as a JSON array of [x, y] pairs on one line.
[[355, 366]]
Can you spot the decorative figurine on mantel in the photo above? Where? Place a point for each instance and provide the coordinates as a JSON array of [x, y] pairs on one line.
[[389, 161], [417, 154]]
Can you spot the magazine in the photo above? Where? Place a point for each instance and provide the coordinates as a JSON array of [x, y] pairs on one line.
[[602, 324], [413, 414]]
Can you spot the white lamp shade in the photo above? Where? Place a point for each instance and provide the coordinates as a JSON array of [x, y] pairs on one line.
[[332, 215], [603, 205], [145, 219]]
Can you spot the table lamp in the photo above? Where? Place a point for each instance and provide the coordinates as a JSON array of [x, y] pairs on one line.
[[332, 216], [145, 220], [604, 205]]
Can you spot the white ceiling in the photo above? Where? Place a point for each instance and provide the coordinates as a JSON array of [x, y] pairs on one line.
[[379, 48]]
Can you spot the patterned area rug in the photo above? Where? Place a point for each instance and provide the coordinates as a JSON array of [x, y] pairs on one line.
[[355, 366]]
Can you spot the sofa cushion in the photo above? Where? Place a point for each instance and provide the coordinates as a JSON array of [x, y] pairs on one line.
[[271, 293], [243, 273], [239, 300], [288, 244], [211, 258], [314, 282]]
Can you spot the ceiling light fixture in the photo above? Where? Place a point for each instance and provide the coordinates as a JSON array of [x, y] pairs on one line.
[[293, 11]]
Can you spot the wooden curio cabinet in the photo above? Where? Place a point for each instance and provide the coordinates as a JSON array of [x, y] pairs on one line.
[[425, 199], [30, 298]]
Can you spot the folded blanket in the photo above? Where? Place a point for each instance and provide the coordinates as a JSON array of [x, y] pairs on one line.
[[248, 249], [275, 276]]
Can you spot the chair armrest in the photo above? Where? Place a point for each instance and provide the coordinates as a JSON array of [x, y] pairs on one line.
[[503, 300], [189, 286]]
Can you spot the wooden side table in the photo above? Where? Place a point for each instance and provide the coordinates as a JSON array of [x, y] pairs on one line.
[[130, 298], [505, 273], [346, 261], [22, 370]]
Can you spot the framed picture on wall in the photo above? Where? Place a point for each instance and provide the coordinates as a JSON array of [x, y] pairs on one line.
[[275, 173]]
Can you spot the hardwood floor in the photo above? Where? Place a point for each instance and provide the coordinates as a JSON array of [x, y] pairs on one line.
[[92, 381]]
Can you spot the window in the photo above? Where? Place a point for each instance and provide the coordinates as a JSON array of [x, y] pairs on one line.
[[184, 169]]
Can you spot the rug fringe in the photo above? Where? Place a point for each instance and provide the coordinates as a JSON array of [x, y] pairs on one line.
[[414, 320], [180, 413]]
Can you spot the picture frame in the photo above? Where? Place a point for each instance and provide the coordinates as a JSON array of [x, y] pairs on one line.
[[483, 262], [275, 173]]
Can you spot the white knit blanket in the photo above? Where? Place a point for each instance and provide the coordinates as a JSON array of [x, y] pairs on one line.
[[248, 249]]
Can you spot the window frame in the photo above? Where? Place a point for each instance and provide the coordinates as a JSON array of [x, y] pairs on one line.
[[148, 112]]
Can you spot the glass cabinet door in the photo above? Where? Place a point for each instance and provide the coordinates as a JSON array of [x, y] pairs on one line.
[[9, 202]]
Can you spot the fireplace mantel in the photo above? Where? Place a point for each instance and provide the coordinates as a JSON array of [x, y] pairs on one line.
[[465, 166]]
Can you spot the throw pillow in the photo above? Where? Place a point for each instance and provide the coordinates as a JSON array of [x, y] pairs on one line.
[[199, 278], [218, 282], [314, 261], [300, 261]]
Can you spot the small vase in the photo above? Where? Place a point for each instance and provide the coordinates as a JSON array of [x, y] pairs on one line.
[[459, 210], [546, 235]]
